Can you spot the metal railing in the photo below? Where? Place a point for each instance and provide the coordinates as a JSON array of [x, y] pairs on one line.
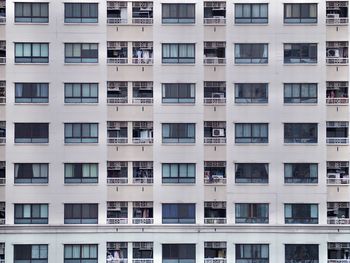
[[215, 21], [214, 100], [117, 180], [117, 60], [2, 60], [337, 140], [337, 100], [117, 221], [215, 180], [214, 61], [142, 140], [215, 220], [2, 181], [215, 140], [112, 21], [142, 260], [338, 261], [117, 100], [142, 180], [2, 222], [215, 260], [142, 220], [143, 61], [337, 180], [142, 21], [338, 221], [337, 21], [337, 60], [142, 100], [2, 140], [117, 140]]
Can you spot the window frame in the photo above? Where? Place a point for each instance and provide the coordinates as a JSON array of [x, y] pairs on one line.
[[290, 220], [31, 18], [251, 19], [41, 257], [300, 58], [80, 179], [251, 179], [252, 89], [251, 59], [81, 258], [178, 59], [179, 139], [252, 139], [32, 86], [191, 87], [33, 136], [298, 139], [80, 99], [179, 19], [291, 260], [81, 58], [31, 219], [253, 210], [300, 99], [31, 59], [299, 19], [176, 210], [80, 19], [178, 179], [246, 259], [299, 179], [33, 179], [81, 138], [76, 211]]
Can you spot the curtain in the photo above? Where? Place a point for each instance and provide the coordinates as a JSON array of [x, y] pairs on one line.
[[75, 251], [43, 211], [44, 170], [26, 211], [191, 170], [314, 211], [264, 251], [27, 50], [19, 90], [190, 130], [263, 10], [76, 50], [16, 170], [69, 170], [246, 10], [313, 10], [19, 50], [288, 211], [35, 252], [93, 130], [265, 51], [36, 170], [26, 9], [255, 10], [85, 253], [237, 50], [288, 170], [288, 10], [86, 170], [174, 170], [238, 10], [313, 170]]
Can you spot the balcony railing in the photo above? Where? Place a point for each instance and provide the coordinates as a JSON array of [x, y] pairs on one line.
[[334, 178], [337, 61], [2, 21], [2, 140], [142, 21], [338, 261], [338, 221], [2, 221], [117, 180], [142, 220], [116, 221], [215, 180], [120, 260], [2, 181], [112, 21], [215, 220], [117, 60], [2, 260], [142, 140], [214, 61], [142, 100], [143, 61], [215, 21], [142, 260], [215, 260], [337, 140], [117, 100], [2, 100], [142, 180], [2, 60], [117, 140], [214, 100], [337, 100], [216, 140], [337, 21]]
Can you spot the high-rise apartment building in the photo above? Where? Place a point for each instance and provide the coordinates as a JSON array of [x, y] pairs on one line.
[[172, 131]]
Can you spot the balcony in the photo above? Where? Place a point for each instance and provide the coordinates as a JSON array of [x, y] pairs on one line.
[[142, 220], [142, 13], [117, 52], [2, 11], [337, 92], [142, 92], [117, 132], [117, 172], [338, 252], [117, 92], [142, 53], [2, 213], [142, 132], [142, 260], [2, 92], [142, 213], [214, 53], [214, 132], [338, 213], [117, 252], [142, 252], [337, 133], [214, 93], [215, 260], [214, 252], [214, 13], [337, 53], [214, 212], [214, 172], [142, 172], [214, 220], [337, 13], [116, 12], [2, 132], [337, 179], [117, 212]]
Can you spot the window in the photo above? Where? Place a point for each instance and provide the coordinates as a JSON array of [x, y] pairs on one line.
[[178, 53], [178, 93], [300, 132], [31, 53], [301, 53], [80, 213], [251, 53], [251, 92], [300, 173], [300, 13], [251, 133], [179, 253], [251, 13], [80, 12], [179, 132], [81, 92], [31, 132], [31, 92], [142, 251], [178, 13], [179, 173], [301, 213], [81, 53], [248, 253], [179, 213], [252, 213], [30, 253], [300, 93], [31, 214], [81, 132], [79, 253], [36, 173], [81, 173], [301, 253], [32, 12], [252, 173]]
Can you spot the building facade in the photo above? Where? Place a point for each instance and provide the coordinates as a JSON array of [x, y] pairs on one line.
[[174, 131]]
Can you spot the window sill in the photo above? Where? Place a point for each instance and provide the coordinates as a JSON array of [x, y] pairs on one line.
[[300, 104], [31, 144], [179, 64], [251, 104], [81, 144], [179, 144], [81, 24], [252, 184], [81, 64], [251, 24], [81, 103], [81, 184], [301, 184], [252, 144], [29, 184], [31, 63], [176, 184], [178, 104], [32, 103], [251, 64], [31, 23], [300, 144], [301, 64], [301, 24]]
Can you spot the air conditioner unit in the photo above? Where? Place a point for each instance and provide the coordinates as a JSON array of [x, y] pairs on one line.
[[218, 95], [145, 8], [333, 53], [145, 88], [332, 15], [218, 132]]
